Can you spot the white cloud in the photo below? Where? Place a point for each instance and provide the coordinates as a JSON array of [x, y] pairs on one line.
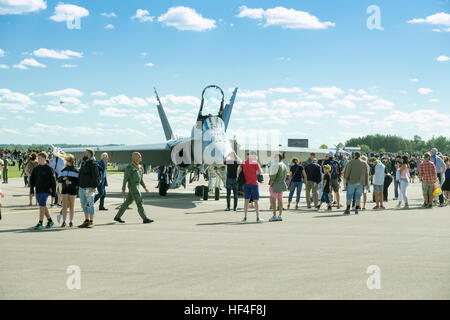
[[186, 19], [54, 54], [434, 100], [285, 90], [2, 53], [343, 103], [414, 80], [14, 101], [109, 26], [283, 103], [441, 18], [142, 16], [69, 66], [108, 15], [69, 92], [115, 112], [3, 66], [98, 94], [442, 58], [425, 119], [68, 12], [122, 100], [328, 92], [424, 91], [245, 12], [21, 6], [285, 18], [381, 104], [149, 64], [25, 63]]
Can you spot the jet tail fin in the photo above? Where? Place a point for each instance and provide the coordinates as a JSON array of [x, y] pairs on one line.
[[164, 121], [228, 109]]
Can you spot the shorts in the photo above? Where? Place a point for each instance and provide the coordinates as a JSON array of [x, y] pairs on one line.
[[355, 190], [427, 188], [335, 185], [378, 187], [69, 192], [275, 195], [42, 199], [325, 198], [251, 191]]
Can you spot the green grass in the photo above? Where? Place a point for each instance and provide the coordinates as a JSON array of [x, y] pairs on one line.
[[13, 172]]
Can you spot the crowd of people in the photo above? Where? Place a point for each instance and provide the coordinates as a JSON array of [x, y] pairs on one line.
[[323, 179], [56, 175]]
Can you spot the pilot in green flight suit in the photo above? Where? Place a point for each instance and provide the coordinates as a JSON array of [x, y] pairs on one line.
[[134, 177], [5, 170]]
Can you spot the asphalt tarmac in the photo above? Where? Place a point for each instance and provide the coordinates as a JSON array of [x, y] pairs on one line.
[[196, 250]]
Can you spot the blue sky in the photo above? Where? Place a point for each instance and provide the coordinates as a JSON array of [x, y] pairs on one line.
[[309, 69]]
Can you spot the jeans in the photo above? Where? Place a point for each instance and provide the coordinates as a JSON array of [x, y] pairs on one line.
[[354, 192], [232, 185], [101, 189], [396, 185], [87, 200], [403, 186], [295, 185]]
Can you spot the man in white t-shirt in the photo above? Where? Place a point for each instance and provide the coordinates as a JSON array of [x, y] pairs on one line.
[[57, 164], [378, 183]]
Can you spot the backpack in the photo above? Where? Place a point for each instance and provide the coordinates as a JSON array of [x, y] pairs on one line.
[[335, 170]]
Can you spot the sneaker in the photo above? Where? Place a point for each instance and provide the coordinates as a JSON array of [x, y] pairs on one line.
[[90, 224], [227, 209], [119, 220], [234, 209], [70, 224], [273, 218], [430, 206], [347, 211], [52, 205], [405, 207], [259, 220], [244, 220], [383, 208], [329, 209], [63, 225], [376, 208], [280, 218], [102, 209], [398, 206], [424, 205], [39, 226], [147, 221], [84, 224], [49, 224], [356, 211]]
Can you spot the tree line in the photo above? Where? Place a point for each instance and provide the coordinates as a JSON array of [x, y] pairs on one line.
[[392, 143]]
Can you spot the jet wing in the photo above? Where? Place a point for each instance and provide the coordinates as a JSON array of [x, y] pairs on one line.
[[152, 154]]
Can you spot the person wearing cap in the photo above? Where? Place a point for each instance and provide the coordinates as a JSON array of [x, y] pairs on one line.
[[378, 183], [335, 174], [440, 168]]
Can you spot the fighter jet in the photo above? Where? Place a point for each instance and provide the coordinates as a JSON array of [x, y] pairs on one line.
[[203, 152]]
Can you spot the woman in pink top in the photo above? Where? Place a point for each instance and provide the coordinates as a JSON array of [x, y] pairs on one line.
[[404, 182]]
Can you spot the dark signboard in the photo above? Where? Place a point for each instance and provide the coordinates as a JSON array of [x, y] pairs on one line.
[[298, 143]]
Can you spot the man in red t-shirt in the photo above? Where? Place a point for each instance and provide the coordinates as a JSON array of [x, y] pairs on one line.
[[251, 168]]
